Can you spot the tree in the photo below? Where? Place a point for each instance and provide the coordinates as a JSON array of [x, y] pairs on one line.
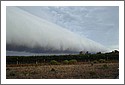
[[81, 52], [98, 53]]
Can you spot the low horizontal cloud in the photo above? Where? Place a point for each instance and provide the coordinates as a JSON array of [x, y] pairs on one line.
[[31, 33]]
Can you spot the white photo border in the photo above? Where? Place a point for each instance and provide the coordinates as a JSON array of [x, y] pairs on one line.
[[62, 3]]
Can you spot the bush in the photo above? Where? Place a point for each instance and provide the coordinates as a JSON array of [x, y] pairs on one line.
[[102, 60], [73, 61], [12, 73], [95, 61], [65, 62], [93, 74], [105, 66], [54, 62], [53, 69]]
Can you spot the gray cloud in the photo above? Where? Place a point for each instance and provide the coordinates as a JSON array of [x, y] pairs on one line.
[[25, 29]]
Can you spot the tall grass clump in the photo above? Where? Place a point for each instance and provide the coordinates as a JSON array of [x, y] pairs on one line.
[[102, 60], [105, 66], [54, 62], [73, 61], [65, 62], [95, 61]]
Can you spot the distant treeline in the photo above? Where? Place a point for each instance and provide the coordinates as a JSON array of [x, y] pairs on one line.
[[114, 55]]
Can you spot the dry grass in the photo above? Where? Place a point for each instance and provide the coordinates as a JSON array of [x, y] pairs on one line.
[[78, 71]]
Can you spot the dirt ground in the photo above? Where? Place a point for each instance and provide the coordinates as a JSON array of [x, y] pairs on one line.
[[79, 71]]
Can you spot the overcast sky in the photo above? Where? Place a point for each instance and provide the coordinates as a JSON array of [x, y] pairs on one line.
[[100, 24]]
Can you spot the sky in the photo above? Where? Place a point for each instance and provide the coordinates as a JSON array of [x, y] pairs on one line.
[[62, 29], [98, 23]]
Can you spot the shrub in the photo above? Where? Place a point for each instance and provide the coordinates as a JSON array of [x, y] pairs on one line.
[[105, 66], [102, 60], [12, 73], [93, 74], [53, 69], [54, 62], [95, 61], [65, 62], [73, 61]]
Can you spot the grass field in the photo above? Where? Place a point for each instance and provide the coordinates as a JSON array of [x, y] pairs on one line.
[[76, 71]]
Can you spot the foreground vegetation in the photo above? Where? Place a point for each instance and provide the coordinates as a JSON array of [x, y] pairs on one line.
[[74, 71], [81, 66]]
